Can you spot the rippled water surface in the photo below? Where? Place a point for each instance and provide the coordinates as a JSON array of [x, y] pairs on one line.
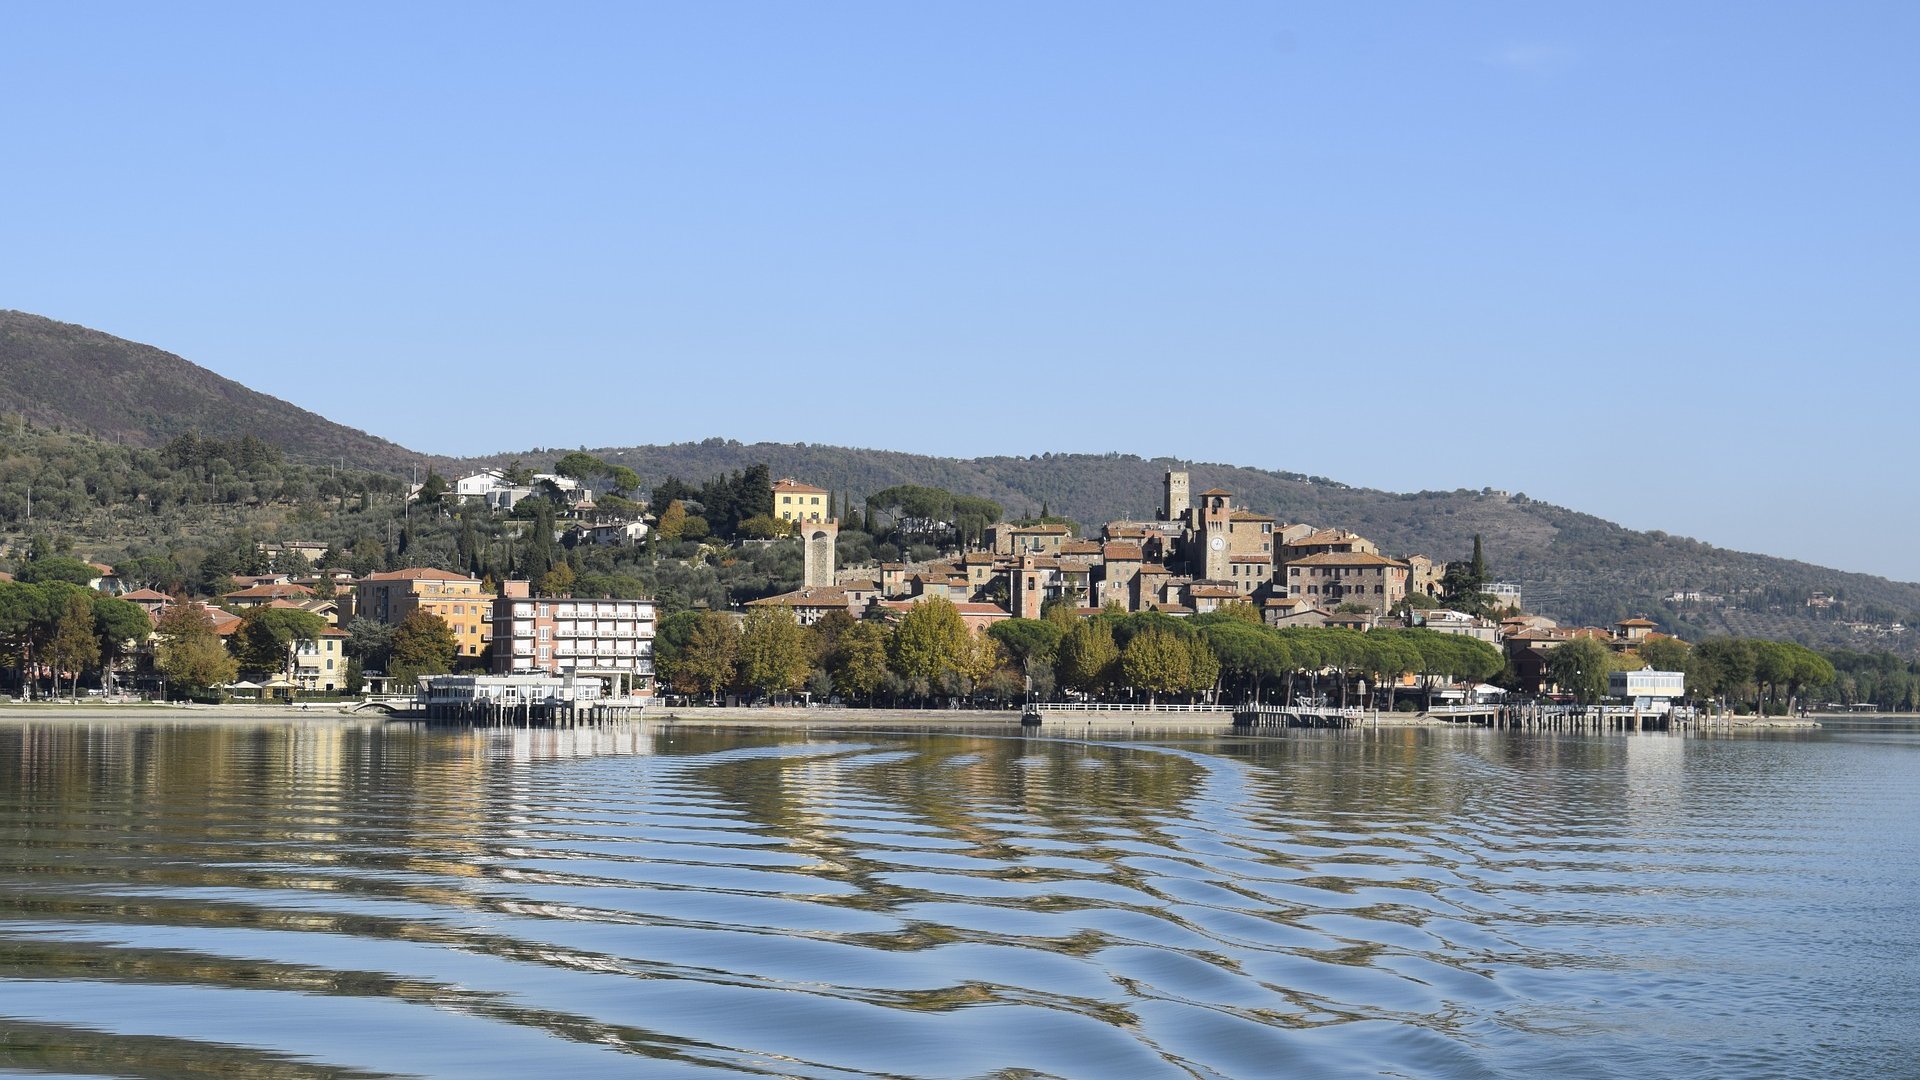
[[317, 899]]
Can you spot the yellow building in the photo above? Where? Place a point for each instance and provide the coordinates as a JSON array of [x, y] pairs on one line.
[[458, 600], [795, 501], [321, 664]]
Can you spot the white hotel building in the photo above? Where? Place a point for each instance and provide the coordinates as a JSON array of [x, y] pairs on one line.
[[607, 639]]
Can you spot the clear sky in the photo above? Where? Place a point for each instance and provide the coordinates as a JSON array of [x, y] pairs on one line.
[[1653, 261]]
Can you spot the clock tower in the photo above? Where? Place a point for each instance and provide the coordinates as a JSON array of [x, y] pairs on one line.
[[1216, 518]]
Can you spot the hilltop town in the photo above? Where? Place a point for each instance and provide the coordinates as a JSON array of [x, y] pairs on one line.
[[1003, 603]]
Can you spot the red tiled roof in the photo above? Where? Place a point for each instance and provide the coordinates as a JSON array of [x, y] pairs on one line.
[[269, 592], [418, 573], [1119, 551], [1325, 536], [789, 485], [1345, 558], [146, 594]]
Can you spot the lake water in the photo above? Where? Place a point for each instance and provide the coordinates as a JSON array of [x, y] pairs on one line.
[[312, 899]]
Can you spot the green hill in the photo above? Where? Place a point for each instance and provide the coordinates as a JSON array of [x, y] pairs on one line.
[[1572, 566], [59, 375]]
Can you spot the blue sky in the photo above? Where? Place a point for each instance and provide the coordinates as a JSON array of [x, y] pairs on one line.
[[1656, 262]]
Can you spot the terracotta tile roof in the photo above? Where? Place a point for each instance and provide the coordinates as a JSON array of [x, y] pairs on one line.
[[139, 595], [1325, 536], [1248, 515], [1120, 552], [789, 486], [1215, 491], [269, 592], [1217, 592], [976, 558], [1081, 547], [983, 609], [332, 632], [819, 596], [419, 573], [992, 610], [1345, 558], [1154, 568], [1636, 622]]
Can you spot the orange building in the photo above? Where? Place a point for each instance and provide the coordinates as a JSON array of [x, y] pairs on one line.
[[458, 600]]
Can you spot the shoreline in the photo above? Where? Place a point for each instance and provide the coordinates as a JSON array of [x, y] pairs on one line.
[[799, 717]]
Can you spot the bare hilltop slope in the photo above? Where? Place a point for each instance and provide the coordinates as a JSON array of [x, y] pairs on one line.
[[61, 375]]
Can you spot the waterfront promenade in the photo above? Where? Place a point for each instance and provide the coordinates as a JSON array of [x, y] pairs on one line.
[[1164, 718]]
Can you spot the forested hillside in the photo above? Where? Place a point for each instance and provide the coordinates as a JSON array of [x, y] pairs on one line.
[[1572, 566], [59, 375], [59, 380]]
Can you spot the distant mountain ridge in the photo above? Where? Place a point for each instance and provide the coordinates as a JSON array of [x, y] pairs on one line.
[[62, 375]]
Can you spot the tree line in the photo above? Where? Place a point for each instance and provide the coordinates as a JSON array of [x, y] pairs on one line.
[[928, 653]]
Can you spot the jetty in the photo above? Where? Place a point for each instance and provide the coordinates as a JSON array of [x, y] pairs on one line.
[[524, 700]]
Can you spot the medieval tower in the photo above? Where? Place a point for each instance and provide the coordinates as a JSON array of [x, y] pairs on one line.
[[1174, 506], [819, 537], [1215, 536]]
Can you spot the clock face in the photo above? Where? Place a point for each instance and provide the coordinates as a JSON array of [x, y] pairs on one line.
[[1219, 542]]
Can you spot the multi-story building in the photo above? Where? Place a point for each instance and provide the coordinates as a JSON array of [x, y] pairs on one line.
[[602, 638], [459, 601], [321, 664], [795, 501], [263, 595], [1337, 577], [1009, 539]]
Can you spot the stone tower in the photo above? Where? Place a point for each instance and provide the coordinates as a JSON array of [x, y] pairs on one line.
[[818, 537], [1216, 527], [1027, 588], [1174, 506]]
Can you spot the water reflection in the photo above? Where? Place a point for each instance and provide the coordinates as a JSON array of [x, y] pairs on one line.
[[344, 898]]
